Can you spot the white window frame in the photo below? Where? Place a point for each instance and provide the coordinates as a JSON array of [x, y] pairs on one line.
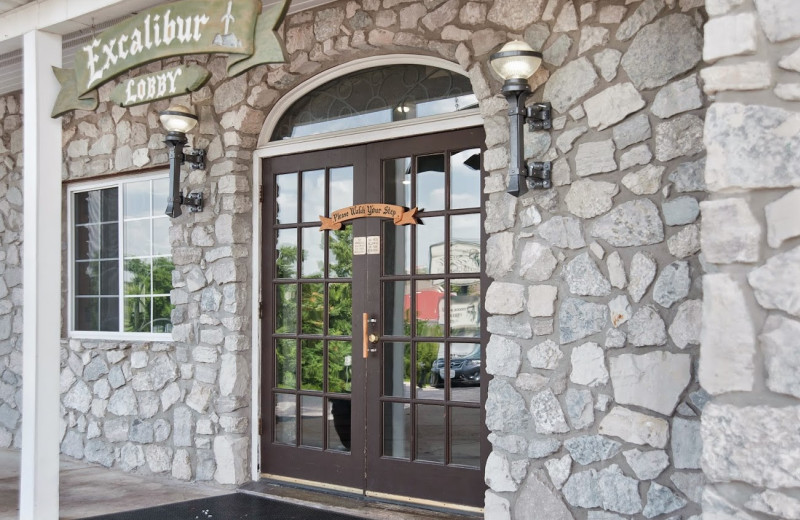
[[91, 185]]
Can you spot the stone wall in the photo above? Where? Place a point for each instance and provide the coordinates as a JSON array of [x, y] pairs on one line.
[[750, 357], [595, 304], [10, 270], [180, 407], [596, 299]]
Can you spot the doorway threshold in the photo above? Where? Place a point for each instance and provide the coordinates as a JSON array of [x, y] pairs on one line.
[[352, 502]]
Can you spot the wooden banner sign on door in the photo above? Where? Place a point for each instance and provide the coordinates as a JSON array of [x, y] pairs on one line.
[[398, 214]]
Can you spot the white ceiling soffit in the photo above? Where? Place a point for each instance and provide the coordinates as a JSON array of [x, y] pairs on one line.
[[79, 30], [10, 5]]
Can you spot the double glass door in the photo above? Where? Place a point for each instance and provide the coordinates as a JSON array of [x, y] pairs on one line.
[[372, 334]]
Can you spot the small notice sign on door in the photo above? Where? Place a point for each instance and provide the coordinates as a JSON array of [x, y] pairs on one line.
[[360, 245], [374, 245]]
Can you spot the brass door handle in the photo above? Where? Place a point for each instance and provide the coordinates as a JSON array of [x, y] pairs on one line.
[[364, 334], [373, 338]]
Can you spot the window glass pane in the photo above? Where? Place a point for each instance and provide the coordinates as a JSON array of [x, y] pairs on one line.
[[465, 180], [286, 198], [162, 310], [137, 199], [87, 207], [87, 242], [396, 308], [109, 278], [430, 246], [137, 314], [161, 245], [397, 251], [339, 422], [340, 366], [313, 421], [465, 307], [286, 253], [465, 243], [109, 314], [311, 369], [286, 363], [162, 275], [340, 309], [313, 195], [396, 431], [341, 189], [87, 278], [430, 362], [137, 276], [430, 433], [137, 238], [397, 181], [109, 241], [86, 313], [313, 253], [312, 308], [286, 419], [397, 369], [465, 434], [465, 372], [110, 204], [340, 253], [430, 308], [286, 308], [430, 182], [160, 196]]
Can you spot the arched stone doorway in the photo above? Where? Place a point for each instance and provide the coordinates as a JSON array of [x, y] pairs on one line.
[[390, 419]]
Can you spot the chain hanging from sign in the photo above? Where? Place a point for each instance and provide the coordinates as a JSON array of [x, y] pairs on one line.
[[237, 28], [398, 214]]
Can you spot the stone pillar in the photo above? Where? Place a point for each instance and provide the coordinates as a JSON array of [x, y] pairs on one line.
[[749, 356], [42, 279]]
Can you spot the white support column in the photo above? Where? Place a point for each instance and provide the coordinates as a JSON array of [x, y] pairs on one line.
[[42, 279]]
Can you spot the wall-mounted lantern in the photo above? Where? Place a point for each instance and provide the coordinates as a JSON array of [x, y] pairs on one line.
[[178, 120], [515, 63]]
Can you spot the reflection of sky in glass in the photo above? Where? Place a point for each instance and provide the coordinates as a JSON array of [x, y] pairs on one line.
[[286, 206], [313, 195], [465, 181], [313, 253], [137, 199], [429, 232], [447, 105], [160, 195], [341, 188]]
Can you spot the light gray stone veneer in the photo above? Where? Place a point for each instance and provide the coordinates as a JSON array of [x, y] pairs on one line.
[[548, 395]]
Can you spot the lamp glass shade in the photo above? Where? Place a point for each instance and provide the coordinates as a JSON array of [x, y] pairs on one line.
[[516, 60], [178, 118]]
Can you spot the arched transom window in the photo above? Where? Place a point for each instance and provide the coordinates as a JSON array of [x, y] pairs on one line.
[[375, 96]]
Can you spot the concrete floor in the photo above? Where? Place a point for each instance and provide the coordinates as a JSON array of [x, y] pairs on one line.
[[90, 490]]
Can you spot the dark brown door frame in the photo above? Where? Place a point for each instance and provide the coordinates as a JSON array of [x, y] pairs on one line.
[[391, 476]]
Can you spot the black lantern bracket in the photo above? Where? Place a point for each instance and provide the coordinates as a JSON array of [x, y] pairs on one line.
[[538, 116], [176, 141]]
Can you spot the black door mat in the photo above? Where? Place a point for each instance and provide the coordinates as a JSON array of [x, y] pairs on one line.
[[236, 506]]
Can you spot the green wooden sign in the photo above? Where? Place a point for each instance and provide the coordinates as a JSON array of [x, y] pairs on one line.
[[236, 28], [159, 85]]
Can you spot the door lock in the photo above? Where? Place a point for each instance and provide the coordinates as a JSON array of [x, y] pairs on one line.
[[368, 334]]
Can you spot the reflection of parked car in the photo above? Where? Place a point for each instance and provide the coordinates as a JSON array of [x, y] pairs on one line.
[[463, 369]]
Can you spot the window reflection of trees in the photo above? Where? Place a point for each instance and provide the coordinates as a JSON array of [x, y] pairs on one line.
[[145, 311], [315, 313]]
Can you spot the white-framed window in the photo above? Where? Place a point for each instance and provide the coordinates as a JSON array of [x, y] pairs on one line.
[[120, 259]]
